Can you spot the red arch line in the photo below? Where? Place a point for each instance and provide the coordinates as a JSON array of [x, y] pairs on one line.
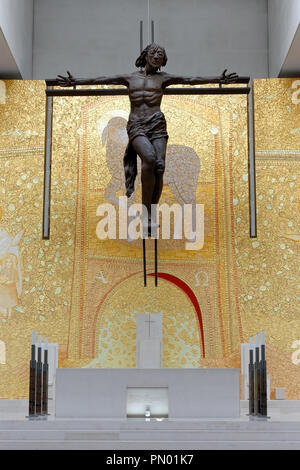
[[173, 280], [188, 291]]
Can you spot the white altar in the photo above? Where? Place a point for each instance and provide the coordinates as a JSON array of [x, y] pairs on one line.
[[148, 390], [177, 393]]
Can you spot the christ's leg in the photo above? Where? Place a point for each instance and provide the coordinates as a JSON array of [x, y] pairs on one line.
[[160, 146], [146, 151]]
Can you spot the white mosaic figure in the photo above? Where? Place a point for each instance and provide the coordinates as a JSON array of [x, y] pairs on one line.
[[2, 92], [10, 271], [2, 352]]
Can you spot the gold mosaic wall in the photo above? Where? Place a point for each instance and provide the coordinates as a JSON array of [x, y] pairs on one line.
[[84, 294]]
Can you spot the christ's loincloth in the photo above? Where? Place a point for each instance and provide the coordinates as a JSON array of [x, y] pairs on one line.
[[152, 127]]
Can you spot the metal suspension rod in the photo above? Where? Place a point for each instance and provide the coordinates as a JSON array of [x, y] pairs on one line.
[[170, 91], [251, 168], [152, 31], [240, 81], [144, 262], [155, 260], [141, 36], [47, 166]]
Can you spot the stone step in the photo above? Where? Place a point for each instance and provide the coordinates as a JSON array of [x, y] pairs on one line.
[[142, 426], [149, 445], [137, 436]]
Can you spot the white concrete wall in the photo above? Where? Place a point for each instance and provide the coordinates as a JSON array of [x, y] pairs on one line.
[[16, 23], [291, 65], [8, 66], [100, 37], [205, 36], [284, 18], [90, 37]]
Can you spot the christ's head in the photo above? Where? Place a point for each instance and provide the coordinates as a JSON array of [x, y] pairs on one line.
[[153, 55]]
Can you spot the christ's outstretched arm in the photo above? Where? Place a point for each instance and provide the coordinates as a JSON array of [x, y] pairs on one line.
[[71, 81], [186, 80]]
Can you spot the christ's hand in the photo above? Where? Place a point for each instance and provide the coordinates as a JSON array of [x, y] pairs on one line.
[[66, 81], [228, 78]]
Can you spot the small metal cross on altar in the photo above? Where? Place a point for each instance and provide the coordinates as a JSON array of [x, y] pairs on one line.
[[149, 321]]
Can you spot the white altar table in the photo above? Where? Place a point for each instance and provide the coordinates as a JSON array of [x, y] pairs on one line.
[[185, 393]]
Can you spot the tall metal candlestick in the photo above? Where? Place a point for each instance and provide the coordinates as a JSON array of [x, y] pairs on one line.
[[251, 379], [263, 379], [45, 379], [39, 372], [257, 379], [32, 379]]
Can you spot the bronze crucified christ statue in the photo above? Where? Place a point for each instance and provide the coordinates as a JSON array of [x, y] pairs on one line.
[[146, 127]]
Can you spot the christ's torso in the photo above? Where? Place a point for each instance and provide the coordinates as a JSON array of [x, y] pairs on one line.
[[145, 94]]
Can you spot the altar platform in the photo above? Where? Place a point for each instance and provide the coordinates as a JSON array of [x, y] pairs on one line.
[[280, 432]]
